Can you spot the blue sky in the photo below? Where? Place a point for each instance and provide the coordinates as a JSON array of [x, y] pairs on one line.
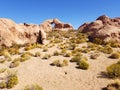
[[75, 12]]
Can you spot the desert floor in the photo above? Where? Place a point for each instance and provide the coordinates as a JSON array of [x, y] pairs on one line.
[[37, 70]]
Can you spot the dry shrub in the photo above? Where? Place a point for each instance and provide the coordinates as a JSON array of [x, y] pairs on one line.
[[113, 71], [115, 55]]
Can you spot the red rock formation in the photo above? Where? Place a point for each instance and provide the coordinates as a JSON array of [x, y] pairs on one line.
[[58, 25], [105, 28], [10, 32]]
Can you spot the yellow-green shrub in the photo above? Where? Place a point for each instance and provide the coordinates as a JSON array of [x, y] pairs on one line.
[[83, 64], [115, 55], [113, 70], [114, 86], [2, 70], [46, 56], [12, 81], [3, 85], [13, 51], [56, 53], [33, 87], [68, 54], [37, 54], [55, 63], [107, 49]]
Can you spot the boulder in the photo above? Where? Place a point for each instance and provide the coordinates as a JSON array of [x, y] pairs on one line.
[[104, 28]]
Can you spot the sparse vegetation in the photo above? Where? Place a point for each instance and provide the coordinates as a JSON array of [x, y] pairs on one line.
[[115, 55], [55, 63], [2, 60], [31, 46], [46, 56], [13, 51], [63, 51], [12, 81], [3, 85], [95, 56], [37, 54], [33, 87], [6, 54], [64, 63], [2, 70], [65, 47], [58, 63], [107, 49], [83, 64], [113, 71], [77, 57], [68, 54], [56, 53], [45, 49], [114, 86], [25, 56]]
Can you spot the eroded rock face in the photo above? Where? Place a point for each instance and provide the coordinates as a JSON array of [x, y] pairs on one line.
[[105, 28], [10, 33], [58, 25]]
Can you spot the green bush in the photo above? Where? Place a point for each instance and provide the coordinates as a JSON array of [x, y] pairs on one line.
[[113, 71], [83, 64]]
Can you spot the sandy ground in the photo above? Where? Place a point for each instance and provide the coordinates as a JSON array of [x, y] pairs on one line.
[[39, 71]]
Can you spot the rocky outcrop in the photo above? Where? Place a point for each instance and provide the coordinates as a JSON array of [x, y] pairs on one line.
[[104, 28], [55, 24], [10, 33]]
